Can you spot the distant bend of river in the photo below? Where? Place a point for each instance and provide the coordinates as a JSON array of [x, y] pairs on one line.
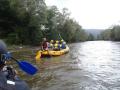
[[92, 65]]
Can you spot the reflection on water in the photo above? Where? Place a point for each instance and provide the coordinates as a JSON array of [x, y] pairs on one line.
[[89, 66]]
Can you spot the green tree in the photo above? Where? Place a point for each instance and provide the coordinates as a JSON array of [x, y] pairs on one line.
[[21, 22], [90, 37], [23, 19]]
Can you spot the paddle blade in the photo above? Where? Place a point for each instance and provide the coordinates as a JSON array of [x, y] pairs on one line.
[[27, 67], [38, 56]]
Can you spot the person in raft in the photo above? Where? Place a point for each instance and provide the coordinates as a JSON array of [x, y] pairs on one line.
[[57, 46], [45, 44], [51, 45], [8, 78], [63, 44]]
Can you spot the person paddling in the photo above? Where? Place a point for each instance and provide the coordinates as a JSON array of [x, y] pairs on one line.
[[8, 80], [44, 44], [51, 45], [63, 44], [56, 46]]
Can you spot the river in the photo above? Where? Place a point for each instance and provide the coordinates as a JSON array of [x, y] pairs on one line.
[[92, 65]]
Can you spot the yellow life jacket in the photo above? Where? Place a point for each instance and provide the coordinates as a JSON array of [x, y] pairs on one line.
[[55, 45], [51, 41], [51, 45]]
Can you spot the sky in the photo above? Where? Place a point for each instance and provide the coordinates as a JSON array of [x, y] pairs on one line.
[[91, 14]]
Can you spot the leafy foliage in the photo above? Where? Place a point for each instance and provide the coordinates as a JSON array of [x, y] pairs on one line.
[[111, 34], [21, 22]]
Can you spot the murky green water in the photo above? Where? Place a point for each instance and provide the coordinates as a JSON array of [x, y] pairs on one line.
[[91, 65]]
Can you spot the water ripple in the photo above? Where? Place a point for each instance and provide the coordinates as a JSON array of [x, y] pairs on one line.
[[89, 66]]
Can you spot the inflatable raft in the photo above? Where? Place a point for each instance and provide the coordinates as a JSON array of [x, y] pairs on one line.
[[51, 53]]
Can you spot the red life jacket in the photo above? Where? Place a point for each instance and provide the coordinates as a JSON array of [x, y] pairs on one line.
[[44, 45]]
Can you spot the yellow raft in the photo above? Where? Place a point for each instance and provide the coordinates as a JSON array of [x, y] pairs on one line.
[[51, 53]]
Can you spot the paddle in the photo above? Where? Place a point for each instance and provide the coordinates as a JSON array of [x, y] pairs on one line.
[[60, 37], [26, 67]]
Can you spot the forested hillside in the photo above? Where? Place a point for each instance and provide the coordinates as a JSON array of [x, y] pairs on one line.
[[28, 21], [93, 33], [111, 33]]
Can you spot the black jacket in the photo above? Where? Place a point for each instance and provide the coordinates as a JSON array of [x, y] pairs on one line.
[[19, 84]]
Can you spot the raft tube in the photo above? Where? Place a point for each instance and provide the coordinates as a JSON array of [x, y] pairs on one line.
[[52, 52]]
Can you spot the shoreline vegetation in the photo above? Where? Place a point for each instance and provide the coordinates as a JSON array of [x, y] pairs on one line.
[[26, 22]]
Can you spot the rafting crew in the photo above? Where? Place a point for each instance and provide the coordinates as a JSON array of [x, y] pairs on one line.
[[8, 76], [53, 45]]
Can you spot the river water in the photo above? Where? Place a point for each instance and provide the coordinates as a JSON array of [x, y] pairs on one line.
[[92, 65]]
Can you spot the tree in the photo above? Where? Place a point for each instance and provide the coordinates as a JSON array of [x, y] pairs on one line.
[[111, 33], [90, 37], [23, 19], [21, 22]]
